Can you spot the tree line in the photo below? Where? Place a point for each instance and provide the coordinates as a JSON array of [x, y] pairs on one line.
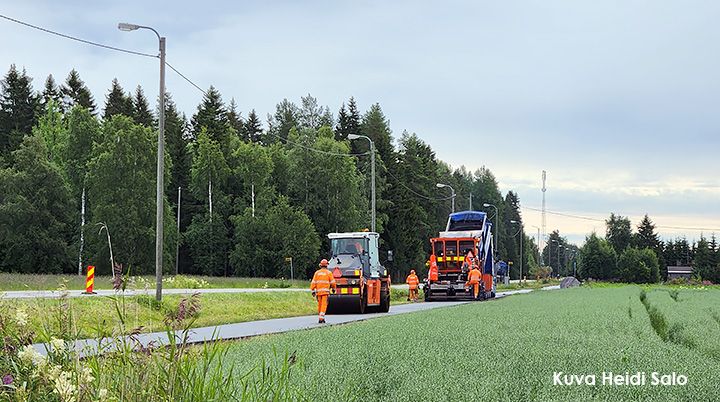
[[250, 193], [639, 256]]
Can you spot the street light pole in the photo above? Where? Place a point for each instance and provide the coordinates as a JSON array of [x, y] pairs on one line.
[[177, 242], [452, 194], [497, 227], [160, 161], [539, 260], [521, 247], [372, 176]]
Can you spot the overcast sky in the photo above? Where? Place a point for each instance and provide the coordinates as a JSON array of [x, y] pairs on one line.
[[617, 100]]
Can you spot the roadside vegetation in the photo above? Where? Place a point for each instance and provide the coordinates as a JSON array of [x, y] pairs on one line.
[[10, 282], [96, 314], [128, 371]]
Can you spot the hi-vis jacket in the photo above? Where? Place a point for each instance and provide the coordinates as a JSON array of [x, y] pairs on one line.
[[322, 281], [413, 281], [474, 276]]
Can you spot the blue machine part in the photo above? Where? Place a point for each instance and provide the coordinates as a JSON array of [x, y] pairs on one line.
[[466, 220]]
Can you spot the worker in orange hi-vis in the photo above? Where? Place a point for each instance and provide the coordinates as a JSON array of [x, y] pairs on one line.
[[323, 282], [433, 270], [413, 282], [474, 280]]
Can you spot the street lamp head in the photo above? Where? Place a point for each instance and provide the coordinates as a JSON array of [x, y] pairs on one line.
[[353, 136], [514, 222], [440, 185], [124, 26], [486, 205]]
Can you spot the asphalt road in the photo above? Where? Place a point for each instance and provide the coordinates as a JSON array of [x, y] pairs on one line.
[[254, 328]]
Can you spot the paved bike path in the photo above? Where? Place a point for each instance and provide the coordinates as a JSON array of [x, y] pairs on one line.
[[88, 347]]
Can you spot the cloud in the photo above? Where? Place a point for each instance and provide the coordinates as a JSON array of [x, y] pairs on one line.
[[615, 99]]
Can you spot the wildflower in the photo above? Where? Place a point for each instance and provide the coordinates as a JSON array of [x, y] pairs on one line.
[[21, 393], [58, 345], [31, 356], [7, 379], [86, 376], [21, 317], [64, 387], [102, 394], [55, 372]]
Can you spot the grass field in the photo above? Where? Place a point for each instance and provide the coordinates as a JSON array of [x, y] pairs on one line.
[[509, 349], [74, 282]]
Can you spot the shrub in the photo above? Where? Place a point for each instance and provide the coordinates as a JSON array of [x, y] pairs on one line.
[[638, 266]]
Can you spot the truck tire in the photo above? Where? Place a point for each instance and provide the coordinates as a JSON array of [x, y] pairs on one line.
[[363, 303], [384, 303]]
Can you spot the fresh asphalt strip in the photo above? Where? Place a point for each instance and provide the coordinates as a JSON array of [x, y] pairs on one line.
[[88, 347]]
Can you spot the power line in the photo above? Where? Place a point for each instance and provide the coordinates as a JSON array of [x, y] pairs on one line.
[[185, 78], [603, 220], [413, 191], [319, 151], [77, 39], [565, 214], [62, 35]]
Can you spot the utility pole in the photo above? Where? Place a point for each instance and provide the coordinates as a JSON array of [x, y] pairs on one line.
[[470, 209], [452, 194], [544, 221], [520, 232], [82, 231], [160, 161], [177, 242], [539, 256], [372, 176]]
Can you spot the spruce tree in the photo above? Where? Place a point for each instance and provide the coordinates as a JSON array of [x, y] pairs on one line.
[[117, 102], [51, 92], [212, 116], [376, 126], [619, 232], [714, 257], [18, 110], [253, 127], [141, 113], [341, 127], [75, 92], [646, 236], [236, 121], [177, 148]]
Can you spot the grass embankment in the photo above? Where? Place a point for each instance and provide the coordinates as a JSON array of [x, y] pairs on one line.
[[10, 282], [96, 315], [508, 349]]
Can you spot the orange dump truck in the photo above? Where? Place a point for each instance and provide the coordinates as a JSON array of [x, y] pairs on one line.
[[466, 243]]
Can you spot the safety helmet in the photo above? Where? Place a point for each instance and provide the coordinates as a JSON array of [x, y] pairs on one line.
[[324, 263], [412, 272]]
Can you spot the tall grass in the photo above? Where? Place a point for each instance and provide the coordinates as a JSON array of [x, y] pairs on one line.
[[123, 368]]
